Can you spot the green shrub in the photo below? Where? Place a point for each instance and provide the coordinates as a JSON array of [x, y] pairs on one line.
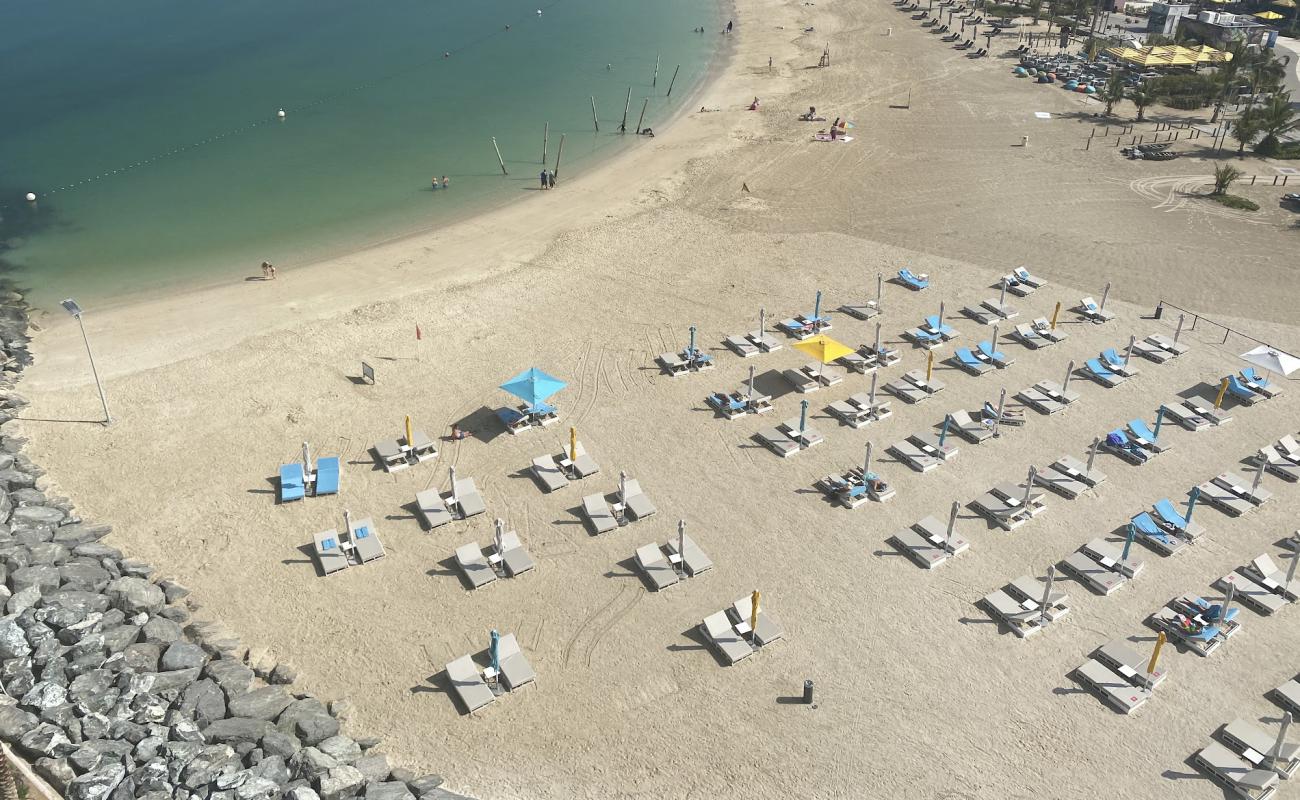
[[1234, 201]]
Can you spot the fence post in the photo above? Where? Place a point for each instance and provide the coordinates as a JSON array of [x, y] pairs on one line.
[[1252, 179], [1275, 180]]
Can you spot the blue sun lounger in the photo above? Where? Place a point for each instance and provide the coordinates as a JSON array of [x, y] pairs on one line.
[[967, 361], [1115, 363], [1245, 395], [1258, 383], [939, 326], [995, 357], [1145, 438], [1102, 375], [327, 476], [1171, 515], [912, 281], [1118, 443], [1149, 532], [291, 483]]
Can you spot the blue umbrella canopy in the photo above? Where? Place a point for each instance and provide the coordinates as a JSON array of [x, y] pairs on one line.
[[533, 386]]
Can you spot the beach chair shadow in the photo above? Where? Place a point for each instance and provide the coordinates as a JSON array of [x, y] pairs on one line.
[[1063, 691], [1202, 390], [437, 683], [448, 568], [772, 384], [411, 510], [698, 642], [1195, 774], [629, 570], [483, 423], [309, 557]]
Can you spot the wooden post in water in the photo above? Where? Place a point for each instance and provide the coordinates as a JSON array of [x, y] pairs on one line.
[[594, 121], [500, 160], [674, 80], [655, 80], [559, 153], [622, 127], [641, 118], [546, 136]]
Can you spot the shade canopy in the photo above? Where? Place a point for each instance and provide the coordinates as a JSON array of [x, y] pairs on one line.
[[1172, 55], [1272, 360], [533, 386], [823, 348]]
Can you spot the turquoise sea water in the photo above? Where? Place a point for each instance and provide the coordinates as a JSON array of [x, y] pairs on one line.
[[148, 128]]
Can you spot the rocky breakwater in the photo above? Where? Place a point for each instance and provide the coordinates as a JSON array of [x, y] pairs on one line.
[[112, 691]]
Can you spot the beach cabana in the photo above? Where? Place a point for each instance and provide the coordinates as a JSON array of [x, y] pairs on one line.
[[534, 387]]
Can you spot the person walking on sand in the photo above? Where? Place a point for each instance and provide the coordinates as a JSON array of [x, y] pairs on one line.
[[543, 176], [551, 179], [266, 270], [271, 267]]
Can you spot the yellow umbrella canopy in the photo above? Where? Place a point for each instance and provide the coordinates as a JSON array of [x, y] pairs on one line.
[[823, 348], [1269, 15]]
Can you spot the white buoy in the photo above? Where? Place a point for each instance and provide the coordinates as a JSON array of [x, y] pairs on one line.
[[281, 114], [539, 12], [31, 197]]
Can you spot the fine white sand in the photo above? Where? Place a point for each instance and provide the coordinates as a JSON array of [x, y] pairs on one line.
[[918, 693]]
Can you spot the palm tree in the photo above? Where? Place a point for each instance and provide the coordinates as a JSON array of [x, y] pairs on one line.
[[1141, 98], [1245, 129], [1224, 175], [1276, 119], [1265, 73], [1226, 75], [1112, 92]]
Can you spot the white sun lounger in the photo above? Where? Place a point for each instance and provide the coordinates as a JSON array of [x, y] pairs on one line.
[[1030, 338], [742, 346], [432, 508], [808, 437], [778, 442], [1277, 464], [1016, 286], [1119, 693], [1233, 483], [1205, 408], [513, 555], [1129, 664], [862, 402], [329, 554], [907, 391], [1108, 555], [474, 566], [968, 428], [365, 541], [548, 474], [768, 629], [1185, 417], [1023, 275], [635, 501], [1039, 401], [1168, 345], [764, 341], [917, 548], [584, 466], [673, 364], [515, 669], [1078, 470], [718, 630], [1058, 392], [928, 443], [466, 498], [693, 558], [1250, 742], [1029, 592], [981, 315], [1016, 617], [1150, 351], [1000, 309], [1251, 594], [1263, 571], [1093, 312], [1087, 570], [917, 379], [801, 382], [1044, 329], [1224, 500], [1288, 696], [865, 311], [1228, 770], [468, 685], [650, 559], [934, 532], [390, 455], [1060, 482], [597, 512], [912, 455], [849, 414], [823, 374]]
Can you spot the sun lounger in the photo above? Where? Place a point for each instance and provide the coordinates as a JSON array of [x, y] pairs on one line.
[[912, 281], [1277, 464], [768, 629], [967, 361], [986, 352], [548, 474], [1093, 312], [730, 406], [801, 382], [1289, 447], [597, 512], [1144, 437], [866, 311], [935, 325], [856, 362], [970, 430], [764, 341], [365, 541], [913, 456], [1156, 537], [823, 374], [1078, 470], [1025, 277], [584, 466], [1000, 309], [327, 476], [1003, 505], [935, 532], [1205, 611], [1255, 597], [1014, 417], [673, 364], [1175, 522], [292, 483], [1062, 483], [650, 559], [1114, 689], [474, 566], [1258, 383], [390, 455], [1029, 590], [329, 555], [928, 443], [432, 508], [778, 442], [466, 499], [468, 685], [906, 390], [635, 501], [1118, 443], [1109, 556], [886, 357], [1043, 328], [849, 414], [1095, 370], [1205, 409], [1266, 573], [1088, 571], [718, 630], [799, 328], [1230, 771], [847, 491], [693, 558], [1150, 352], [515, 669], [1241, 488], [742, 346], [1021, 621], [1185, 417], [1015, 286], [1239, 392], [1058, 392], [981, 315], [923, 338], [1288, 696], [1129, 664], [1030, 338], [1168, 345], [917, 379], [1039, 401], [1201, 639], [925, 543], [1114, 362], [513, 555], [877, 411], [808, 437], [1255, 746]]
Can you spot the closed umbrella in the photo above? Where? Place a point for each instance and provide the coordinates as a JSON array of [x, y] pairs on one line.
[[753, 611], [495, 650], [1128, 543], [533, 386], [1160, 417], [1272, 359], [817, 312], [1192, 497]]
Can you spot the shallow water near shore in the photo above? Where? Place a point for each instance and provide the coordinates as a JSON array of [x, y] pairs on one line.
[[151, 135]]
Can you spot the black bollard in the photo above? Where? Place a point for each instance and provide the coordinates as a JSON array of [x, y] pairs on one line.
[[807, 692]]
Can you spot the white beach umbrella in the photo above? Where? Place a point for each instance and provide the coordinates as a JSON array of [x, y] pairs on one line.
[[1272, 359]]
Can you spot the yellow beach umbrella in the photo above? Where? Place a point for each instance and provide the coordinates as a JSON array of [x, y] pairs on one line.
[[823, 348], [1269, 15], [573, 444], [410, 439], [753, 611]]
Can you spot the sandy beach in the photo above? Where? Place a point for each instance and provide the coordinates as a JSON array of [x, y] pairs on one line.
[[919, 693]]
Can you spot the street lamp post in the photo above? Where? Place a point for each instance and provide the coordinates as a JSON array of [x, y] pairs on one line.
[[72, 308]]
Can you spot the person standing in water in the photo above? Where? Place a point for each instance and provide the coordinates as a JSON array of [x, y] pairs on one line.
[[445, 183]]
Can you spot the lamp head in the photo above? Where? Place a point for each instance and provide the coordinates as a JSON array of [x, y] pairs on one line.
[[71, 307]]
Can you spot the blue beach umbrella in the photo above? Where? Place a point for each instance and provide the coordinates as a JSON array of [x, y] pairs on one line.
[[1128, 542], [1160, 417], [943, 431], [495, 650], [1191, 504], [817, 308], [533, 386]]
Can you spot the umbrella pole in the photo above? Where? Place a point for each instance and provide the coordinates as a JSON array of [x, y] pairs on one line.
[[1191, 504], [1092, 454], [1047, 593], [1002, 399], [500, 531], [622, 486], [1160, 417], [817, 311], [1128, 543], [1223, 389], [880, 291], [690, 350], [1065, 384], [995, 338], [1227, 603], [306, 459], [1104, 294], [929, 366], [1056, 313], [1002, 298], [871, 398], [495, 648], [1295, 559], [876, 349], [347, 522], [751, 383], [1259, 476], [952, 523], [1129, 352], [1155, 656], [866, 466], [940, 326], [803, 417], [943, 429], [681, 542], [762, 327], [1179, 330], [1029, 488], [454, 499]]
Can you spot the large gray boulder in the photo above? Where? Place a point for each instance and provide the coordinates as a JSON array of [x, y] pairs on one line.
[[340, 783], [135, 595], [183, 655], [204, 702], [265, 703], [15, 723], [233, 677], [340, 748], [97, 784], [142, 656], [173, 681], [43, 576], [237, 730], [279, 743], [47, 740], [374, 767], [308, 720], [85, 577], [209, 762], [13, 640], [392, 790], [41, 515]]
